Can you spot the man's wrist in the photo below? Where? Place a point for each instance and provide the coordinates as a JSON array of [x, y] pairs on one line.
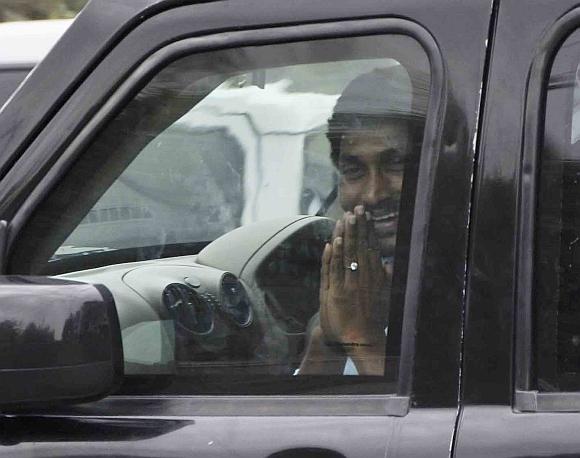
[[340, 344], [356, 340], [369, 360]]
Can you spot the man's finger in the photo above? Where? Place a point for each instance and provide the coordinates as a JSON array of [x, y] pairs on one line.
[[325, 271], [349, 236], [333, 274], [350, 248], [373, 239], [374, 250], [338, 229], [336, 263], [362, 254], [361, 231]]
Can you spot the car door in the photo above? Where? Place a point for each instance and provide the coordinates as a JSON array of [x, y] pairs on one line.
[[520, 385], [187, 169]]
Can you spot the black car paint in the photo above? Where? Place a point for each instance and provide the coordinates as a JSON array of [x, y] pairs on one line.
[[498, 300], [17, 429], [438, 422], [488, 60], [10, 77], [69, 338]]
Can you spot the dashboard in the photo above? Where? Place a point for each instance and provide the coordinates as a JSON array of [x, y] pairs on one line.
[[244, 301]]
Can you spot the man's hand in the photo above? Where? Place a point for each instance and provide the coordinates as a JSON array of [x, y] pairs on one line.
[[320, 358], [354, 297]]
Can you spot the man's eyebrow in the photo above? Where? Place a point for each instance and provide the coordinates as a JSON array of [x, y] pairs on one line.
[[348, 158], [392, 150], [387, 154]]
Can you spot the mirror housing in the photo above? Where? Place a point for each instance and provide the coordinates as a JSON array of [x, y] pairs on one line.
[[60, 342]]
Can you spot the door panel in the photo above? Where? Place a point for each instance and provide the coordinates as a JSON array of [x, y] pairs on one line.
[[201, 436], [501, 432]]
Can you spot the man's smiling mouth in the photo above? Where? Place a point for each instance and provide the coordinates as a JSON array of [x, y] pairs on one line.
[[384, 218], [385, 224]]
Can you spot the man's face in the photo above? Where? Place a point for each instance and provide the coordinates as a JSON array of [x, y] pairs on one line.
[[371, 165]]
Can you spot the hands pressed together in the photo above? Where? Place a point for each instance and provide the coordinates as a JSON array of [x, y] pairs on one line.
[[353, 297]]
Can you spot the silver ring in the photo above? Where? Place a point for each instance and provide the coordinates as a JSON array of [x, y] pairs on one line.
[[353, 266]]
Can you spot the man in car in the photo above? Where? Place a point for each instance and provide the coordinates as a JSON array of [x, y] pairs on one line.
[[371, 133]]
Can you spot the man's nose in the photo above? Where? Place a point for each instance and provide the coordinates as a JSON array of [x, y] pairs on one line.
[[378, 188]]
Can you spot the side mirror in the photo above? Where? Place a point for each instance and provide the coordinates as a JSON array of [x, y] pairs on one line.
[[60, 342]]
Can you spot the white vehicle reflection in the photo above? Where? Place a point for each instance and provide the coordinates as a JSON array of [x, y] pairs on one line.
[[241, 155]]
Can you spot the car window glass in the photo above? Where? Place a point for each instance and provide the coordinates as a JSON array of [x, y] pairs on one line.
[[207, 203], [557, 255]]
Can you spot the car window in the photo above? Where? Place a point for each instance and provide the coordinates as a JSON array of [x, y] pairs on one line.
[[209, 204], [557, 256]]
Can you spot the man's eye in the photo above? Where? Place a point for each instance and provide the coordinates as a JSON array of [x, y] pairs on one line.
[[352, 171], [395, 163]]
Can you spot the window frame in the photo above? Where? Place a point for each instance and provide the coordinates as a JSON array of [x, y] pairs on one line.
[[392, 405], [526, 398]]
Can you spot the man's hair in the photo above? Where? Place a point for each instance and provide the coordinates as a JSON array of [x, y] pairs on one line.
[[370, 100]]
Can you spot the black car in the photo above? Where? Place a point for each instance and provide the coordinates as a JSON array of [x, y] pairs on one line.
[[167, 191]]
